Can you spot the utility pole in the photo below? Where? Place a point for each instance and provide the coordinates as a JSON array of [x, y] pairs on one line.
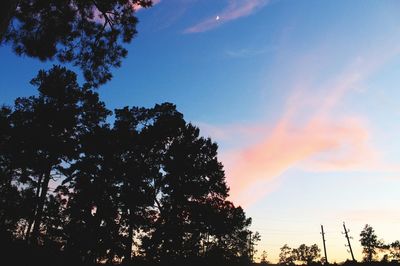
[[348, 241], [323, 241]]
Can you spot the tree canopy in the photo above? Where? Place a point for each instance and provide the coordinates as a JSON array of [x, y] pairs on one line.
[[303, 254], [369, 241], [148, 186], [88, 34], [95, 186]]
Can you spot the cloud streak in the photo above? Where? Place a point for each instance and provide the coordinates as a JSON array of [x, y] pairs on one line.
[[235, 10], [311, 134], [324, 142]]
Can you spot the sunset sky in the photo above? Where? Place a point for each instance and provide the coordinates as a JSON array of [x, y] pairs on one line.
[[301, 96]]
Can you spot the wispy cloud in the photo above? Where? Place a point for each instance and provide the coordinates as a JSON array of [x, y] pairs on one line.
[[235, 9], [311, 134], [330, 144], [247, 52]]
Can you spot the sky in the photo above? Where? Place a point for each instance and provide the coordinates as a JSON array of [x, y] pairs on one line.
[[301, 97]]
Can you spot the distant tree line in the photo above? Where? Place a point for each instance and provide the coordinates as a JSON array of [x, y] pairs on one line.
[[303, 254], [141, 185], [371, 248]]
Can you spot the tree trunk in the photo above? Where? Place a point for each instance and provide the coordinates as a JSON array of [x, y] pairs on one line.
[[95, 252], [34, 210], [40, 207], [3, 216], [7, 8], [128, 249]]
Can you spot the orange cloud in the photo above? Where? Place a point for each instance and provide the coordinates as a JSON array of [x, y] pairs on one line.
[[307, 136], [312, 133], [341, 144], [236, 9]]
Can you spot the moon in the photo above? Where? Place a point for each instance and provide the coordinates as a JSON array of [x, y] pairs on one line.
[[217, 18]]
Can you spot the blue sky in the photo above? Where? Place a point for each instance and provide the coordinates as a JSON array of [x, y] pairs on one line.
[[301, 96]]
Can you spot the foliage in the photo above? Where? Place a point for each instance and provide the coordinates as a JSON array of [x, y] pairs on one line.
[[304, 254], [44, 136], [395, 250], [149, 186], [286, 255], [369, 241], [86, 33], [264, 256], [307, 254]]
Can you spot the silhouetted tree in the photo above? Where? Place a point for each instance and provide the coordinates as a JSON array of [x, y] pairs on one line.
[[70, 181], [93, 228], [17, 187], [307, 254], [136, 170], [369, 241], [395, 250], [54, 219], [230, 233], [390, 251], [264, 256], [8, 192], [45, 132], [86, 33], [189, 196], [16, 194], [286, 256], [88, 184]]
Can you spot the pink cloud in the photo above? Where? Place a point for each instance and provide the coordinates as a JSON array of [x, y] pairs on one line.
[[311, 134], [337, 145], [235, 9]]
